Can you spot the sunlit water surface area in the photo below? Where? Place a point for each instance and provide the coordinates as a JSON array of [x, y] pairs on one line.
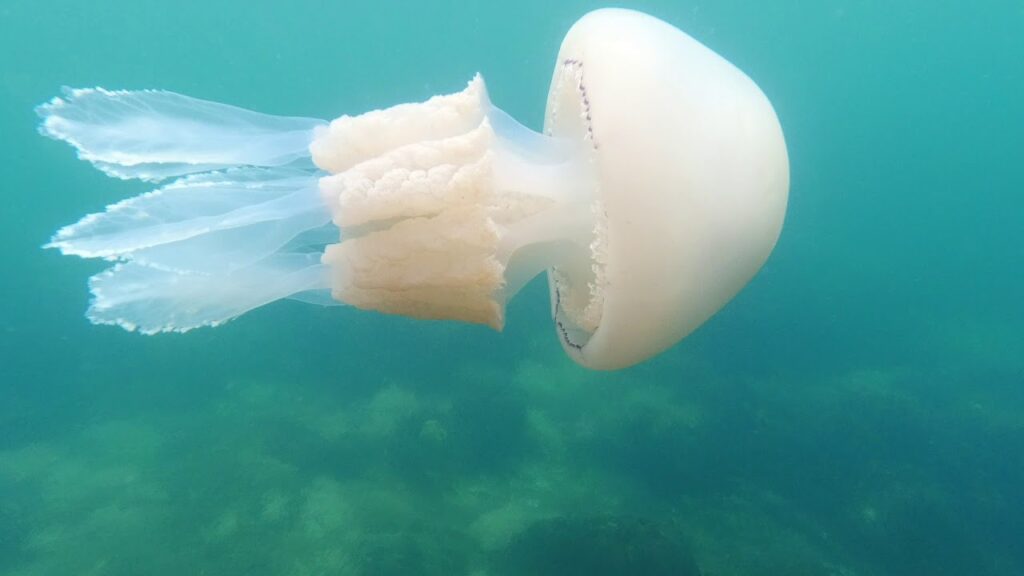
[[858, 409]]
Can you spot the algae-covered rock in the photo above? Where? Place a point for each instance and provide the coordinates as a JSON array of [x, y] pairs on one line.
[[597, 546]]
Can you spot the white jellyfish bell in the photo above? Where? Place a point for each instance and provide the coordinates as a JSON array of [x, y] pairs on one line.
[[656, 191]]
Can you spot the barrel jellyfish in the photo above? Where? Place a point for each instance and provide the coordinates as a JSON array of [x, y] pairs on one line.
[[655, 192]]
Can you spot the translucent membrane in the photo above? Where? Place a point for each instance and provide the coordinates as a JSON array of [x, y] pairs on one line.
[[243, 226], [153, 134]]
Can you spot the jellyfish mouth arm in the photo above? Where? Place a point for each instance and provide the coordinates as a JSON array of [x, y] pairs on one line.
[[240, 225], [445, 208], [204, 249], [155, 134], [139, 297], [449, 206]]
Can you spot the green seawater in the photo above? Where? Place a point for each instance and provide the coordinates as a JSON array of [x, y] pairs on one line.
[[858, 410]]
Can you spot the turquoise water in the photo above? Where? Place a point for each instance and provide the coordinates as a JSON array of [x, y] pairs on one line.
[[857, 410]]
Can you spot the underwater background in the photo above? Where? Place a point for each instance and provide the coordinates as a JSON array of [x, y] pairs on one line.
[[858, 410]]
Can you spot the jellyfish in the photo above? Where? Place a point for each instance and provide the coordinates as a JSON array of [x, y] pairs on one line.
[[655, 192]]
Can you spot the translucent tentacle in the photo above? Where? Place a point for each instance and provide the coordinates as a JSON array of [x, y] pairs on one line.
[[230, 249], [154, 134], [195, 206], [243, 226], [151, 300]]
